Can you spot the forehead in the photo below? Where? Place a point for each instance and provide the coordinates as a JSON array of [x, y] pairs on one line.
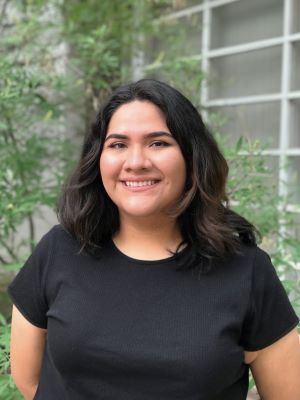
[[137, 114]]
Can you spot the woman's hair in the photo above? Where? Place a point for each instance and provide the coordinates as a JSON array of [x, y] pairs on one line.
[[210, 230]]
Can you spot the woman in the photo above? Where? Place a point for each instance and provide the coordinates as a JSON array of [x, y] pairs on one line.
[[151, 287]]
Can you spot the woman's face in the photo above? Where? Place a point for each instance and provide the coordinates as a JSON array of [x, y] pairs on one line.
[[142, 168]]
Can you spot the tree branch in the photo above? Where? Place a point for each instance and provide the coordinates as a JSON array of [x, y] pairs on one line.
[[3, 9], [22, 177], [9, 250], [3, 261]]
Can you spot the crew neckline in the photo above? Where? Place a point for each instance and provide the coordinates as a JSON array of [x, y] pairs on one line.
[[161, 261]]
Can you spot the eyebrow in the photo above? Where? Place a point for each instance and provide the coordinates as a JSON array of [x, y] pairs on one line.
[[149, 135]]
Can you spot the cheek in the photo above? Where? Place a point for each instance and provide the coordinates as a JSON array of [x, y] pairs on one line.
[[109, 166], [174, 167], [180, 176], [174, 170]]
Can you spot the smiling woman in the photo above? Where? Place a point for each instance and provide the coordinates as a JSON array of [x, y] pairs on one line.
[[151, 287]]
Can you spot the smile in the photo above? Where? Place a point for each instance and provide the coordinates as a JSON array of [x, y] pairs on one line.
[[139, 183]]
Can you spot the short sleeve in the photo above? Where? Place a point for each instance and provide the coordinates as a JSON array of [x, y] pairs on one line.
[[270, 314], [27, 290]]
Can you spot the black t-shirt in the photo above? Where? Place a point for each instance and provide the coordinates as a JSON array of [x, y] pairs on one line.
[[126, 329]]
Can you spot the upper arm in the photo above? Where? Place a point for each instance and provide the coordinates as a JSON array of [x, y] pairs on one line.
[[276, 369], [26, 349]]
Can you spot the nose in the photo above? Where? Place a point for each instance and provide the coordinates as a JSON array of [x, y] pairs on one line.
[[137, 158]]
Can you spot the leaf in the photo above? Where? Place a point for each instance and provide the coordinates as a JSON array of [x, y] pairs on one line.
[[48, 116], [239, 144]]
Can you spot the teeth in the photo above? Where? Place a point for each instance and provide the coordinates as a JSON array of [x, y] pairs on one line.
[[142, 183]]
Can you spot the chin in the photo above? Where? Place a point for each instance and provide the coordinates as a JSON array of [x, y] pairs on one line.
[[137, 214], [141, 213]]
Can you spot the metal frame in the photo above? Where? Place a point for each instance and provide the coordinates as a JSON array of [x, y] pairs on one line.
[[195, 9], [206, 24], [261, 98], [285, 102], [274, 152], [256, 45]]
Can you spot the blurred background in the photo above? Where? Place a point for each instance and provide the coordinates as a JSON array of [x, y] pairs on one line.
[[238, 61]]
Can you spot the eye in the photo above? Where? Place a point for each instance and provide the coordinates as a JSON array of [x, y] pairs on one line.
[[160, 143], [117, 145]]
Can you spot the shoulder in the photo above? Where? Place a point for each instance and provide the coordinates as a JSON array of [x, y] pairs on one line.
[[242, 260], [57, 234], [252, 256], [57, 231], [250, 263], [54, 240], [252, 252], [261, 265]]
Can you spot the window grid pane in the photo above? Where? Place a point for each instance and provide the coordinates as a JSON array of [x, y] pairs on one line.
[[230, 76], [245, 21]]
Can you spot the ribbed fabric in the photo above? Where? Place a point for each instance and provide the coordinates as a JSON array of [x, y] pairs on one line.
[[126, 329]]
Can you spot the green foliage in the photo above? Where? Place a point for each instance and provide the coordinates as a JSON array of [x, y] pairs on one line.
[[96, 57], [99, 37], [167, 55], [31, 148], [8, 391], [250, 185], [182, 73]]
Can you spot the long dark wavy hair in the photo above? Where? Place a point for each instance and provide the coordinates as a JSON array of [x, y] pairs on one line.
[[210, 229]]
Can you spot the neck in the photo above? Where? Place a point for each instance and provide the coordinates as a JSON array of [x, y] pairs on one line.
[[148, 239]]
